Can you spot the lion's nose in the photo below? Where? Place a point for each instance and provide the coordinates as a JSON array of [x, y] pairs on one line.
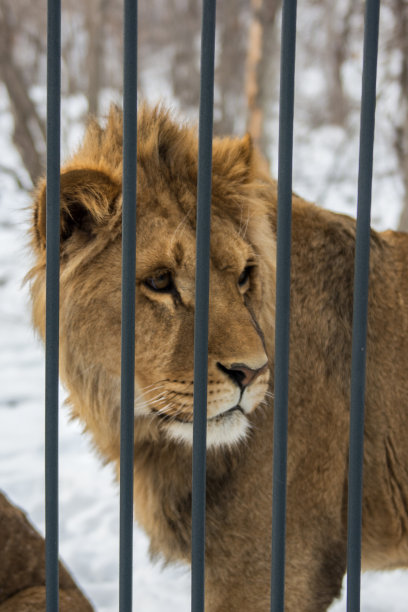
[[241, 374]]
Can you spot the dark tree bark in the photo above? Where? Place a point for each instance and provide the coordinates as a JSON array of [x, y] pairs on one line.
[[29, 128]]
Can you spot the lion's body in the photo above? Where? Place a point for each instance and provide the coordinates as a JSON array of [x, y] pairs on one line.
[[22, 568], [241, 338]]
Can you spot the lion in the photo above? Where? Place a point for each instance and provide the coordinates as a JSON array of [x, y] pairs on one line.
[[22, 567], [240, 360]]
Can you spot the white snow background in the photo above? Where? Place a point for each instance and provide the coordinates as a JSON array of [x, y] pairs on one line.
[[89, 502]]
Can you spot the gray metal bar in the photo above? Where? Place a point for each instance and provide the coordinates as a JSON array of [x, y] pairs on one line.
[[201, 305], [280, 434], [128, 304], [361, 281], [52, 301]]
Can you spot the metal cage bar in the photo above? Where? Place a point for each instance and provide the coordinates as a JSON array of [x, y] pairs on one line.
[[361, 282], [52, 301], [201, 305], [282, 322], [128, 304]]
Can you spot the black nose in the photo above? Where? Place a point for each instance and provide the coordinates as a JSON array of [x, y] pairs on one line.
[[241, 374]]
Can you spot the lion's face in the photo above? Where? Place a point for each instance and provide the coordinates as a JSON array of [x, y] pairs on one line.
[[238, 370]]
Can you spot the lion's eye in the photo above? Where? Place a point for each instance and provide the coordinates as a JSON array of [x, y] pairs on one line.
[[244, 277], [162, 282]]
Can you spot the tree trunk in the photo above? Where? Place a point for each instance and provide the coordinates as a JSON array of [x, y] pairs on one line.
[[29, 129], [260, 81], [401, 133], [230, 104], [95, 22], [185, 69], [338, 32]]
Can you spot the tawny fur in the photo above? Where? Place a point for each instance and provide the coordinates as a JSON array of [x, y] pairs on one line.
[[22, 568], [241, 330]]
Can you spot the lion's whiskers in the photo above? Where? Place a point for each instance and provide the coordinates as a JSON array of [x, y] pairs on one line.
[[170, 407], [142, 405], [143, 394], [165, 410], [156, 383], [160, 397]]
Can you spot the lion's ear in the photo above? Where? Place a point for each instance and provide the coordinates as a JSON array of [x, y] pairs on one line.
[[86, 197], [232, 159]]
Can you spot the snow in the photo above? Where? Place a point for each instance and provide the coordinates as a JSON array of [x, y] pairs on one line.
[[89, 501]]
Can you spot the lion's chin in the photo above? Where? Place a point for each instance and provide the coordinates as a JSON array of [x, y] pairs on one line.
[[224, 430]]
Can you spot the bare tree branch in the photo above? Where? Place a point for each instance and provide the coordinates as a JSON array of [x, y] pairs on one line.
[[11, 172], [29, 128]]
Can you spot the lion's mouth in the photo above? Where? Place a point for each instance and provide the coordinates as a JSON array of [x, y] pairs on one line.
[[218, 417], [225, 428], [226, 414]]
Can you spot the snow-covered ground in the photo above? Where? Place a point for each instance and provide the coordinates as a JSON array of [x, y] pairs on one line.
[[89, 515]]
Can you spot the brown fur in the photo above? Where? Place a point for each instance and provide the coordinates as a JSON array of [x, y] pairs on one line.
[[22, 568], [241, 330]]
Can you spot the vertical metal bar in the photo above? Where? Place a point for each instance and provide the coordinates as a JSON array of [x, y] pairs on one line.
[[128, 304], [52, 301], [361, 274], [286, 104], [201, 304]]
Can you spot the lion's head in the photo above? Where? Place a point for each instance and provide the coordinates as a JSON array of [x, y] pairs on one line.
[[241, 281]]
